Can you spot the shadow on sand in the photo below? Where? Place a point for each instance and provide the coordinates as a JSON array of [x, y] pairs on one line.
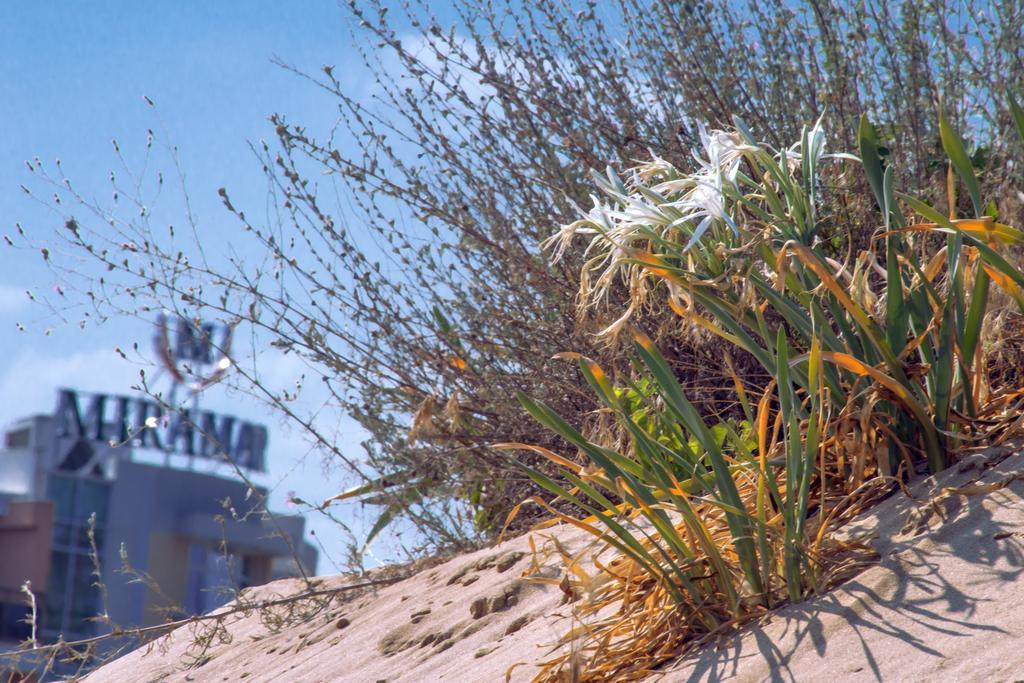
[[930, 590]]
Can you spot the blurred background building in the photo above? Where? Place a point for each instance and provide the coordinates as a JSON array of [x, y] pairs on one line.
[[86, 494]]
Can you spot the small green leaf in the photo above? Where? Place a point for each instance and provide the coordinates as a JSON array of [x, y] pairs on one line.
[[954, 147], [867, 138], [382, 522], [1017, 112]]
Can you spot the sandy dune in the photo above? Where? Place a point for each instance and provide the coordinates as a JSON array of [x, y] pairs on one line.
[[946, 603], [943, 604], [469, 619]]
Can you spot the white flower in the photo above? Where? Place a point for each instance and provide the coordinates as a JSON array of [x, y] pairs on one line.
[[706, 202], [816, 143], [658, 202], [587, 225], [703, 198], [724, 151]]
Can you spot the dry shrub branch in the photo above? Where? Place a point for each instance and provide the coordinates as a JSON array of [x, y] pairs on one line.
[[398, 254]]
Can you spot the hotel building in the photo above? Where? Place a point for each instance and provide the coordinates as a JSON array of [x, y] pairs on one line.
[[122, 482]]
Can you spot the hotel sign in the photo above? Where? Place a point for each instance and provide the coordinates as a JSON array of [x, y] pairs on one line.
[[145, 424], [194, 347]]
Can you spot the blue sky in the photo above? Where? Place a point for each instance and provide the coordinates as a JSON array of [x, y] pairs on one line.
[[72, 78]]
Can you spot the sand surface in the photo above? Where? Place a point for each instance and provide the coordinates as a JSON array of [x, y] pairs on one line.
[[946, 603], [469, 619], [943, 604]]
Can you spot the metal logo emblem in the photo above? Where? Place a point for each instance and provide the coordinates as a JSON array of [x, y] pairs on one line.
[[193, 360]]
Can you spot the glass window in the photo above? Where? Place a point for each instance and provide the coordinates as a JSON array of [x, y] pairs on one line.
[[56, 591], [209, 583], [75, 500], [90, 498], [194, 580], [19, 438], [81, 538], [60, 561], [14, 621], [62, 534], [85, 602], [246, 577], [219, 583], [61, 490], [72, 598]]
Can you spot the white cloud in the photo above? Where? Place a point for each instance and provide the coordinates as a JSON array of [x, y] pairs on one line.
[[29, 383], [12, 300]]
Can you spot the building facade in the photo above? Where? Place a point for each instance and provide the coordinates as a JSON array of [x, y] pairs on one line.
[[90, 502]]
